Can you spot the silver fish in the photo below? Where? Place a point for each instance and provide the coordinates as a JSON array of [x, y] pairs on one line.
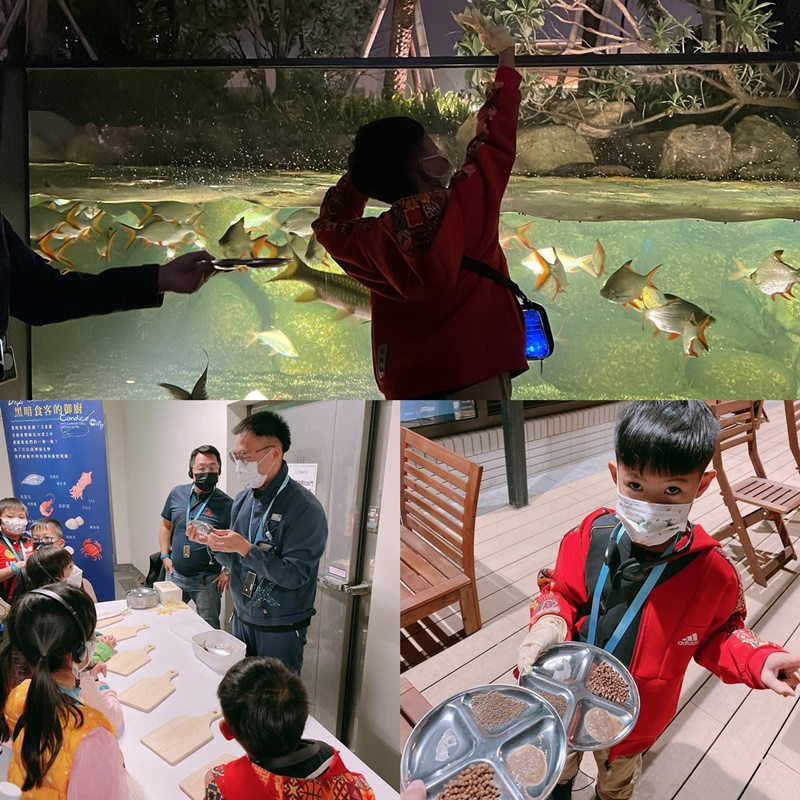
[[236, 243], [679, 317], [33, 479], [276, 341], [774, 276], [198, 390], [341, 292], [625, 286]]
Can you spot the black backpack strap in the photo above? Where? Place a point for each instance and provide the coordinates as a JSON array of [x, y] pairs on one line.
[[485, 271]]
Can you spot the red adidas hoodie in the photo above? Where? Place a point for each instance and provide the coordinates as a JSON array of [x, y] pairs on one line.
[[703, 600], [435, 328]]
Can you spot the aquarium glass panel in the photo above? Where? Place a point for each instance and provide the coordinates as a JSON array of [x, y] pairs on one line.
[[661, 203]]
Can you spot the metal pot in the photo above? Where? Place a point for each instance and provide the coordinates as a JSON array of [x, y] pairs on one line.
[[142, 598]]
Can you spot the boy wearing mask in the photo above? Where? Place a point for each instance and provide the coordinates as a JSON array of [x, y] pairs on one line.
[[15, 546], [649, 587], [48, 531], [188, 564]]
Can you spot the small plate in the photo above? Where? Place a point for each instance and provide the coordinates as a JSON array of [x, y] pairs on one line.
[[563, 670], [451, 737], [229, 264]]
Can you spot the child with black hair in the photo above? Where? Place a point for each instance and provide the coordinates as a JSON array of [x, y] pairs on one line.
[[17, 546], [645, 584], [47, 530], [59, 741], [437, 330], [49, 565], [265, 708]]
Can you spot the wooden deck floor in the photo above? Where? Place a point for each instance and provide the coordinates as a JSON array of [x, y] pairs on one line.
[[725, 741]]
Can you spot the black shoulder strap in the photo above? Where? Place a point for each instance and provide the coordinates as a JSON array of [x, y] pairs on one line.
[[485, 271]]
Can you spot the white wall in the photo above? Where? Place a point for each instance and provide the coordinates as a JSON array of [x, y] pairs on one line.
[[379, 721], [5, 469]]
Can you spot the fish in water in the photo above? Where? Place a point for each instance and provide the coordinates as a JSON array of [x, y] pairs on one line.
[[624, 286], [277, 342], [594, 263], [236, 243], [33, 479], [544, 270], [678, 317], [342, 292], [163, 233], [198, 391], [297, 223], [508, 234], [773, 275], [177, 213]]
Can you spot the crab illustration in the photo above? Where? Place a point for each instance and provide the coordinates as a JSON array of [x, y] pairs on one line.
[[91, 548]]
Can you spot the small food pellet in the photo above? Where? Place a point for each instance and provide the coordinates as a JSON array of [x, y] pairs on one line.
[[528, 764], [494, 709], [601, 725], [558, 701], [605, 681], [474, 783]]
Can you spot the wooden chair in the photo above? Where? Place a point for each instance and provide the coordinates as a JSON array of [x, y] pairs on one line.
[[738, 421], [438, 502], [792, 411], [413, 707]]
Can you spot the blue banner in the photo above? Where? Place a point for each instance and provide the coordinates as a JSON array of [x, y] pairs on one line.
[[57, 455]]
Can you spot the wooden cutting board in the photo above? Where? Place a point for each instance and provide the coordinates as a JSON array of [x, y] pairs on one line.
[[129, 661], [181, 736], [123, 632], [195, 784], [112, 619], [147, 693]]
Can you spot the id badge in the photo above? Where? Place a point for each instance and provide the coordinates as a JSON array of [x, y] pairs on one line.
[[187, 551], [249, 585]]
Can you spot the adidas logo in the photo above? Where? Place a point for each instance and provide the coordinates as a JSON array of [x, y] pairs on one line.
[[689, 640]]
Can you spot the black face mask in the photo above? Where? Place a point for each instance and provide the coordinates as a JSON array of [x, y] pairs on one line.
[[206, 481]]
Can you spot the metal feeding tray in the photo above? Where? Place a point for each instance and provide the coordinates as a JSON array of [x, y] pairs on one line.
[[564, 670], [451, 737]]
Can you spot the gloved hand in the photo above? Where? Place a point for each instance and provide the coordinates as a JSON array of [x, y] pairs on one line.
[[546, 631], [493, 37]]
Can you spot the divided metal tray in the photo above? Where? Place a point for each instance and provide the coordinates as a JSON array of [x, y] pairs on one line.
[[538, 725], [563, 670]]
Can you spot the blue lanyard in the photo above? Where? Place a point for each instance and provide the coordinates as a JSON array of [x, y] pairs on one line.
[[73, 693], [263, 522], [202, 507], [634, 607], [13, 549]]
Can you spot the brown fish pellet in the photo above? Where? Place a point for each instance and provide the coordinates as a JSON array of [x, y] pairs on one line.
[[494, 709], [558, 701], [605, 681], [474, 783]]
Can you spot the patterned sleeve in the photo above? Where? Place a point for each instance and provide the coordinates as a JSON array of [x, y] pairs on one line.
[[212, 790], [416, 220]]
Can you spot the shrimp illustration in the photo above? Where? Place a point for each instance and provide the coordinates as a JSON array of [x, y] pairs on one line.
[[46, 508], [76, 492]]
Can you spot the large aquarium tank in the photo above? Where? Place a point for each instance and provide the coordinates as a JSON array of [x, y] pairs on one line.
[[652, 211]]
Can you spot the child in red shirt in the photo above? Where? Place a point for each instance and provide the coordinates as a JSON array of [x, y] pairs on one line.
[[437, 330], [645, 584], [15, 546], [265, 708]]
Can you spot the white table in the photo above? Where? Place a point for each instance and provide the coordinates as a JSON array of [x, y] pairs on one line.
[[195, 693]]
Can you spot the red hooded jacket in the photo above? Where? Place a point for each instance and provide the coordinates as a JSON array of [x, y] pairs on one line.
[[703, 600], [435, 328]]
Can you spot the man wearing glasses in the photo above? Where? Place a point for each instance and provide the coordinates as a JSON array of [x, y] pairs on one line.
[[278, 536], [187, 563]]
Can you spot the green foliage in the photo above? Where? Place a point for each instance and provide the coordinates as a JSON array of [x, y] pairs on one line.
[[748, 25]]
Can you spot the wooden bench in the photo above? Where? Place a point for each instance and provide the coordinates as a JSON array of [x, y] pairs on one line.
[[438, 503]]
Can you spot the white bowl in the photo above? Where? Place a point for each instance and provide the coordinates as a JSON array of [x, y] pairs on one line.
[[218, 649]]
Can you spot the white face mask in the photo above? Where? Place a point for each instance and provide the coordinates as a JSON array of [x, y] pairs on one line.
[[651, 524], [14, 524], [247, 472], [76, 577]]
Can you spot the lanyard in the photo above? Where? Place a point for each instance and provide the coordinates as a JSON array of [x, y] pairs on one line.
[[263, 522], [634, 607], [13, 550], [202, 507]]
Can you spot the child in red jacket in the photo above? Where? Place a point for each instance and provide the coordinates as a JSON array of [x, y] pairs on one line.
[[437, 331], [684, 594], [265, 708]]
